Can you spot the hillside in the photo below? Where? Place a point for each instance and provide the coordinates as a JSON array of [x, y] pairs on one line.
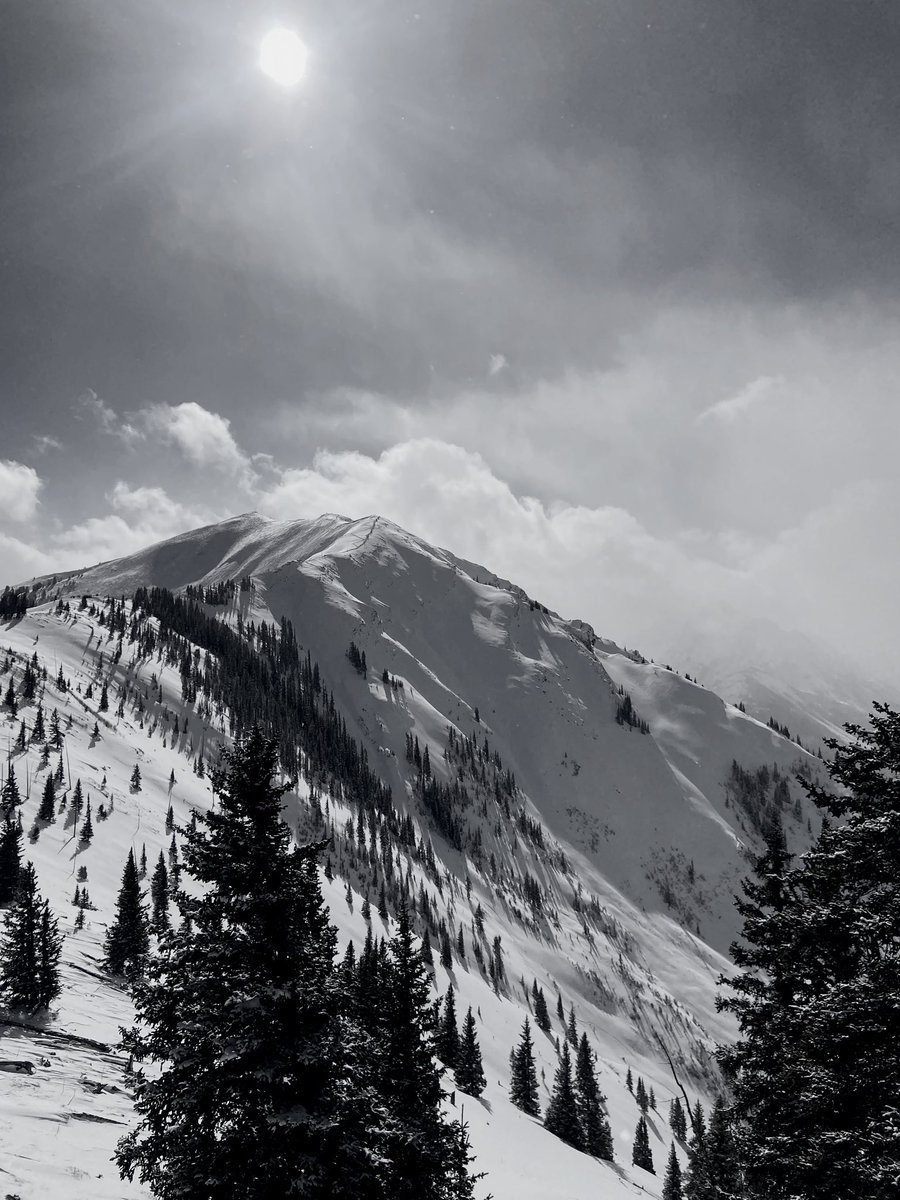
[[603, 857]]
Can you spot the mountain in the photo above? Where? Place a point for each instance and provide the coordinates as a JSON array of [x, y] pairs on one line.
[[798, 680], [599, 809]]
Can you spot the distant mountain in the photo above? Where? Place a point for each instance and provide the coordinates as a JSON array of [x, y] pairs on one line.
[[790, 676], [600, 809]]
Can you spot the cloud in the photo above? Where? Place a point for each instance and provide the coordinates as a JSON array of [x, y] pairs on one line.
[[44, 442], [496, 364], [89, 405], [203, 437], [138, 517], [19, 488], [601, 563], [752, 394]]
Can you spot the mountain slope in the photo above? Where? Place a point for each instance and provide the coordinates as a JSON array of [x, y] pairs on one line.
[[632, 841]]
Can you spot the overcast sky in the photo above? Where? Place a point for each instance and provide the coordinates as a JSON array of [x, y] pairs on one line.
[[603, 294]]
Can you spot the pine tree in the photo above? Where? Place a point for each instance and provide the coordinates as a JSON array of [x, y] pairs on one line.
[[641, 1154], [469, 1069], [572, 1029], [87, 827], [170, 819], [597, 1134], [640, 1094], [677, 1120], [30, 949], [672, 1183], [816, 1071], [256, 1042], [447, 1039], [10, 859], [629, 1081], [446, 951], [127, 941], [10, 797], [541, 1016], [560, 1011], [523, 1084], [159, 894], [562, 1116], [103, 706], [47, 810], [136, 778], [38, 730]]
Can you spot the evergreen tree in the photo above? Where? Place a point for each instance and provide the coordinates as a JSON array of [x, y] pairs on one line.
[[523, 1084], [641, 1154], [560, 1011], [170, 819], [87, 828], [47, 810], [572, 1029], [677, 1120], [447, 1040], [30, 949], [427, 952], [159, 894], [541, 1016], [672, 1189], [469, 1069], [446, 951], [127, 941], [10, 797], [38, 730], [562, 1116], [136, 778], [103, 706], [629, 1081], [268, 1085], [10, 859], [714, 1170], [640, 1094], [597, 1134]]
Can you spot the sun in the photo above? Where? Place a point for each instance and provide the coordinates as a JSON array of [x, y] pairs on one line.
[[282, 56]]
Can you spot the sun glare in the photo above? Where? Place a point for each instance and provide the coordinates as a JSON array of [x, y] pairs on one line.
[[282, 56]]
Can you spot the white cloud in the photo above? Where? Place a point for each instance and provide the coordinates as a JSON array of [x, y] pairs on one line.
[[44, 442], [752, 394], [496, 364], [19, 488], [203, 437]]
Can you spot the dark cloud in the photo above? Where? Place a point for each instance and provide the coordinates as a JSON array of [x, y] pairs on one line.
[[457, 179]]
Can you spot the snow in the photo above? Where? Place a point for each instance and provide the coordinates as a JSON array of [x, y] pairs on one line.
[[621, 807]]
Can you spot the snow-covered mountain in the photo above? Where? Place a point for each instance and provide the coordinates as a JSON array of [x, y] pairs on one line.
[[812, 688], [637, 796]]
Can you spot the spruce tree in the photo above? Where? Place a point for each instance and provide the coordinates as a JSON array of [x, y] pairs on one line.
[[469, 1069], [572, 1029], [272, 1080], [597, 1134], [10, 797], [29, 950], [136, 778], [677, 1119], [128, 941], [672, 1189], [87, 827], [523, 1084], [447, 1040], [47, 809], [10, 859], [562, 1116], [816, 1071], [159, 894], [640, 1094], [541, 1016], [641, 1154]]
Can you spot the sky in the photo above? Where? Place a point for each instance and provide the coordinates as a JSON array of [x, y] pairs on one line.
[[605, 295]]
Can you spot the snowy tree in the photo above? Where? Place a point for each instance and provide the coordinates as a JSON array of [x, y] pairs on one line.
[[672, 1189], [597, 1134], [816, 1071], [469, 1069], [10, 858], [641, 1154], [128, 939], [523, 1084], [562, 1117], [30, 949]]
